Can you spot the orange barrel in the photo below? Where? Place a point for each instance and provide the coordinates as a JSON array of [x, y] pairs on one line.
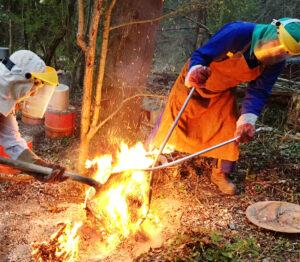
[[9, 170], [60, 123]]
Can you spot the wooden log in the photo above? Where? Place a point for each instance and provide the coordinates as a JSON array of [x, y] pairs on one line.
[[280, 97], [277, 96], [288, 81], [293, 115]]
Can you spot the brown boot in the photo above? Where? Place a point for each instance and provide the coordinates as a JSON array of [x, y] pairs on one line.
[[222, 181]]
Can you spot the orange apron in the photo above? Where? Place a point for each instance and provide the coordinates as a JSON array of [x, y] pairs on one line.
[[211, 114]]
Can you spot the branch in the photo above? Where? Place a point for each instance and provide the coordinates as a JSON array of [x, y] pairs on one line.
[[52, 47], [180, 28], [150, 20], [89, 69], [196, 22], [80, 41], [95, 129], [288, 137], [102, 64], [288, 81]]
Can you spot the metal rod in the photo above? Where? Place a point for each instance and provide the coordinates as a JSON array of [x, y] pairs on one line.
[[25, 166], [173, 126], [195, 154], [83, 179], [47, 171], [189, 156], [164, 144]]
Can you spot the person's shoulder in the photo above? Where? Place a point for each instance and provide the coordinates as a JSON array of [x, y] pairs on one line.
[[237, 28], [239, 25]]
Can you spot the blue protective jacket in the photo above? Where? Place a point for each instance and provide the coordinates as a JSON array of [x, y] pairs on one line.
[[233, 37]]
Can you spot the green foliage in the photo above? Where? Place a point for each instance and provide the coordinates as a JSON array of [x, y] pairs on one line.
[[280, 245], [269, 145], [219, 13], [274, 115], [184, 247], [290, 149], [45, 27], [236, 250]]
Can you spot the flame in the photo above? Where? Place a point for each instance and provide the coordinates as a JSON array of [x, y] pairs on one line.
[[69, 241], [123, 204], [63, 245], [121, 207]]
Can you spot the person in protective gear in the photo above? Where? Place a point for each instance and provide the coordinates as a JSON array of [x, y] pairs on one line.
[[239, 52], [21, 75]]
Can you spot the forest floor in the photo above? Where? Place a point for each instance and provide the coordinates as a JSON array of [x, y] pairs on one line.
[[198, 222]]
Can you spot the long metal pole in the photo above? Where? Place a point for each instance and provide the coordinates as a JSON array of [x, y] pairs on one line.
[[196, 154], [47, 171], [162, 147], [189, 156], [164, 144]]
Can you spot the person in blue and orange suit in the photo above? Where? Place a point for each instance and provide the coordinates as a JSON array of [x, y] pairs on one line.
[[239, 52]]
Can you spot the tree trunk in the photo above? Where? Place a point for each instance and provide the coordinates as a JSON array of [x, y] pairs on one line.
[[128, 59], [128, 63], [201, 31], [89, 51], [24, 31], [10, 44]]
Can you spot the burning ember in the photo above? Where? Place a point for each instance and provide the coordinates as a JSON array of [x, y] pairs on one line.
[[122, 205], [62, 245]]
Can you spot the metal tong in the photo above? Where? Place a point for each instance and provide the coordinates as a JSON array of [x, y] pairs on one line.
[[47, 171]]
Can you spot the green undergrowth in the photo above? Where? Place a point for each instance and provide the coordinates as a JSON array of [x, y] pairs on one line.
[[213, 247], [276, 143], [235, 250], [271, 145]]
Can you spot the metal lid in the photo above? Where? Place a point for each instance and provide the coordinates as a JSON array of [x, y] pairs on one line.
[[275, 215]]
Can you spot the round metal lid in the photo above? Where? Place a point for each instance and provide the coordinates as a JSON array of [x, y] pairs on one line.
[[275, 215]]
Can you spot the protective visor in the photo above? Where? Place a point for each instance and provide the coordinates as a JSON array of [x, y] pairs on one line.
[[47, 78], [41, 92], [270, 52]]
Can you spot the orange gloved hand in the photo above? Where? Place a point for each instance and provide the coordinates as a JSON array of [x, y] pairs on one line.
[[197, 76], [245, 132], [56, 174]]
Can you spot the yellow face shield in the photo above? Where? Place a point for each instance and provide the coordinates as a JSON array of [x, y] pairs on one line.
[[271, 52], [41, 92], [47, 78]]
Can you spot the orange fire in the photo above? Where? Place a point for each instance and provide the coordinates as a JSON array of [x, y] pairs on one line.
[[63, 245], [122, 206]]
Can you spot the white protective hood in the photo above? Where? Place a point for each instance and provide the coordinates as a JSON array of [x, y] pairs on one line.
[[14, 87]]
